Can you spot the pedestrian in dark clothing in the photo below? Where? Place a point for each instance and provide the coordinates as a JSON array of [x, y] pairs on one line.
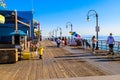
[[58, 41]]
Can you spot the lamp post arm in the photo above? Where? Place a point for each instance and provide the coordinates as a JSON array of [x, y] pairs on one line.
[[61, 33], [92, 11], [96, 20], [71, 28], [69, 24]]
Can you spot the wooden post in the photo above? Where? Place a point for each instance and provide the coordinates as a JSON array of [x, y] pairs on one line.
[[25, 38], [39, 32], [13, 40], [16, 23]]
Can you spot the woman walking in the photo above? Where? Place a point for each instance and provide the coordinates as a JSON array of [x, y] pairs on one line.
[[94, 40]]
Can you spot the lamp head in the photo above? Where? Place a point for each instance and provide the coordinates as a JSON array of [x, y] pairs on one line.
[[57, 29], [60, 28], [88, 19], [66, 26]]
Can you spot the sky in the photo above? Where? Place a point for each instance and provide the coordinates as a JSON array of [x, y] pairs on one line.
[[53, 14]]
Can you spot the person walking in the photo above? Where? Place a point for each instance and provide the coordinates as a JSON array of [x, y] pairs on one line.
[[66, 41], [94, 40], [110, 41], [58, 41]]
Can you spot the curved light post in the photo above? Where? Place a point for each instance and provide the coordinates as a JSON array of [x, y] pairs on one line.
[[70, 24], [56, 32], [49, 35], [53, 35], [97, 27], [60, 32]]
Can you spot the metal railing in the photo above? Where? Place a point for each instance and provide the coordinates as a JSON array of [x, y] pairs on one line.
[[102, 44]]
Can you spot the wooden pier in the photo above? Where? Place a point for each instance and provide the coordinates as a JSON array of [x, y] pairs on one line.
[[56, 63]]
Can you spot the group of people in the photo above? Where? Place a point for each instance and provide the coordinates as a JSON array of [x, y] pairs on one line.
[[110, 42], [63, 41]]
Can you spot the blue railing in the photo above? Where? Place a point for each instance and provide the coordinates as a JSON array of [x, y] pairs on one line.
[[104, 46]]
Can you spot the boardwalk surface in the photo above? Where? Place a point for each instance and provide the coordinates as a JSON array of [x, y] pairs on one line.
[[56, 63]]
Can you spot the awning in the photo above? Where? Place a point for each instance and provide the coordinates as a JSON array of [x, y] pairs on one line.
[[18, 32]]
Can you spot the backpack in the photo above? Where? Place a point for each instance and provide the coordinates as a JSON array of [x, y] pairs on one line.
[[58, 40]]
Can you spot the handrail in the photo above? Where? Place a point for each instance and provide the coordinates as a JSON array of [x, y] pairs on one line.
[[104, 46]]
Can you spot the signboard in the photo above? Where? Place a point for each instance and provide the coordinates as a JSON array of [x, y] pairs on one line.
[[2, 19], [97, 28]]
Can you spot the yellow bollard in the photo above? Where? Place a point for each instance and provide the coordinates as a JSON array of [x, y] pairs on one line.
[[41, 50], [26, 55], [32, 54]]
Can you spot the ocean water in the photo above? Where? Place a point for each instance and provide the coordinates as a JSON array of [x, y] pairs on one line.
[[117, 38]]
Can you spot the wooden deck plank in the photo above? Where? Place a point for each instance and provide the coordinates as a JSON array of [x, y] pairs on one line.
[[58, 70], [8, 71], [32, 70], [19, 74], [45, 69], [39, 72], [56, 63]]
